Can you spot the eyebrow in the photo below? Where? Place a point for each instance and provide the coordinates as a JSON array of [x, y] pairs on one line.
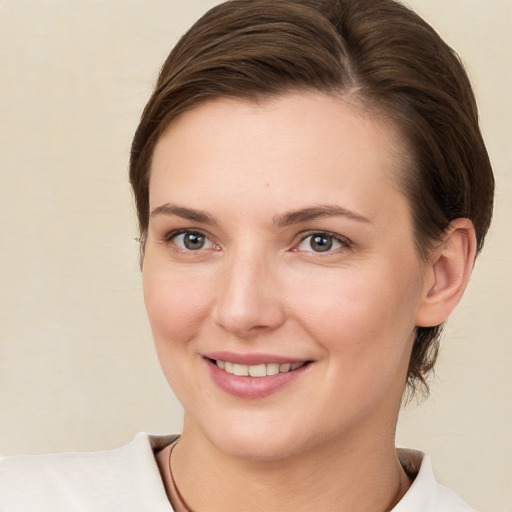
[[317, 212], [286, 219], [183, 212]]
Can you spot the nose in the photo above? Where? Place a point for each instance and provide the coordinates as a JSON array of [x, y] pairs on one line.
[[249, 300]]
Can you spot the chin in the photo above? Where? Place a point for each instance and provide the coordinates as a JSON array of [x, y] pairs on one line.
[[255, 442], [263, 449]]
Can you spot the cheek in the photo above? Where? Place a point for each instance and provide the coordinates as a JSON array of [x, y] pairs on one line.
[[365, 326], [356, 314], [175, 305]]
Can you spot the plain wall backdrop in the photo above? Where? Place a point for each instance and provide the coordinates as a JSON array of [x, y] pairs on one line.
[[77, 366]]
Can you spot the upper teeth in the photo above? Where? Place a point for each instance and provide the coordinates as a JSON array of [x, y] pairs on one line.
[[257, 370]]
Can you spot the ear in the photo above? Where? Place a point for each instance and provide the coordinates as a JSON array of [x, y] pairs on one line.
[[448, 272]]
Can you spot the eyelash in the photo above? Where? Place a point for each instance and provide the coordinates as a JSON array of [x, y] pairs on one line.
[[173, 235], [341, 240], [331, 237]]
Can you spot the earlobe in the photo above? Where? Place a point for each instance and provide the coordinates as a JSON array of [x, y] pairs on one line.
[[449, 271]]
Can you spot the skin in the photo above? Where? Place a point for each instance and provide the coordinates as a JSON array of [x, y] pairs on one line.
[[259, 286]]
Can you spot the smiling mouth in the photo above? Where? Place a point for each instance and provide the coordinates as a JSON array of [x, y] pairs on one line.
[[257, 370]]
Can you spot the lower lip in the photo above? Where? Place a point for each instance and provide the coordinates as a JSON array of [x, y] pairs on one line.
[[253, 387]]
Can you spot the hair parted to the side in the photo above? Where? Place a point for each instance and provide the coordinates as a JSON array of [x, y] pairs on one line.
[[380, 54]]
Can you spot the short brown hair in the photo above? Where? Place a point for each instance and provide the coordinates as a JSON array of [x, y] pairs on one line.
[[378, 51]]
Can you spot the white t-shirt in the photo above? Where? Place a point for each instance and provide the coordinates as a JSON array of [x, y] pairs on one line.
[[127, 479]]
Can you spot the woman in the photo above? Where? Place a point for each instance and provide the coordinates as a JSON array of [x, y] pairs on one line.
[[312, 189]]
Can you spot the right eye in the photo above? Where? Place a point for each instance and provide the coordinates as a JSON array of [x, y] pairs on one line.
[[191, 241]]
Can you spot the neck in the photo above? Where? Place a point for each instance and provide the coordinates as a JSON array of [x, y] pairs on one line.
[[342, 475]]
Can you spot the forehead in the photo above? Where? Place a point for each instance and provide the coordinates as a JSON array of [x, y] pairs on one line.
[[297, 141]]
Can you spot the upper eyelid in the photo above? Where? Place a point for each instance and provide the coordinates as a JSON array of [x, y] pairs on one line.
[[169, 235], [300, 237], [336, 236], [169, 239], [344, 242]]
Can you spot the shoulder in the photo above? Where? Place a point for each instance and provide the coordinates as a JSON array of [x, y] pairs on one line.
[[126, 478], [425, 493]]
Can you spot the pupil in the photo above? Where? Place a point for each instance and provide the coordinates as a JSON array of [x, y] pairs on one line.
[[193, 241], [321, 243]]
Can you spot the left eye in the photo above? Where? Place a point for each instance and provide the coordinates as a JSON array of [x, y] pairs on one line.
[[320, 242], [192, 241]]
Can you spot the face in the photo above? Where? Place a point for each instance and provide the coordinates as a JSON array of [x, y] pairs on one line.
[[280, 274]]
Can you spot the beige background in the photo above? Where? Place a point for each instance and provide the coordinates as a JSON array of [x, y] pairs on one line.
[[77, 368]]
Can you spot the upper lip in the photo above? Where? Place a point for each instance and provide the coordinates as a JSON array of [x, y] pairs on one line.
[[252, 359]]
